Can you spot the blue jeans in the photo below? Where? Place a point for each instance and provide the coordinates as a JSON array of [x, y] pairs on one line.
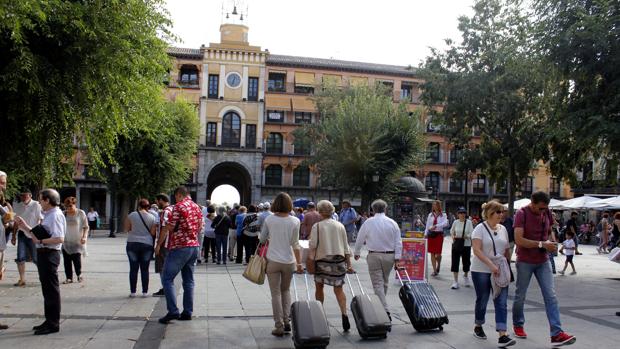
[[482, 285], [139, 255], [179, 260], [221, 247], [543, 275], [25, 247]]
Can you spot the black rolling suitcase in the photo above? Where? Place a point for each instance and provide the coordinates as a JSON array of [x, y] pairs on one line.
[[370, 317], [422, 305], [310, 329]]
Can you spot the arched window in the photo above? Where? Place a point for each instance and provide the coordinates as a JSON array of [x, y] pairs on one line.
[[231, 130], [432, 181], [273, 175], [301, 176], [274, 143], [456, 184]]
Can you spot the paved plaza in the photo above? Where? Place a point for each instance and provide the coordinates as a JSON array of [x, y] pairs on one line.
[[233, 313]]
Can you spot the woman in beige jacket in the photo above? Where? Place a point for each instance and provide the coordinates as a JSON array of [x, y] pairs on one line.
[[328, 239]]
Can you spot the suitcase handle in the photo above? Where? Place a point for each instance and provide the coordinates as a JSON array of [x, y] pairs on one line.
[[358, 282], [400, 277], [295, 286]]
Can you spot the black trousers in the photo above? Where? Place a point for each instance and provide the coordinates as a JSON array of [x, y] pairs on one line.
[[47, 264], [463, 254], [71, 260], [250, 243], [240, 244], [209, 245]]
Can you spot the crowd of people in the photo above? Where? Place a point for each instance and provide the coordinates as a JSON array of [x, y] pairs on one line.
[[182, 235]]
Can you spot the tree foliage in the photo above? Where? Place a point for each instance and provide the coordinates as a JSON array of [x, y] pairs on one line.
[[86, 69], [581, 41], [490, 84], [361, 134]]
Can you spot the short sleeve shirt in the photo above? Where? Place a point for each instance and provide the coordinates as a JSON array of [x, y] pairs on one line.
[[569, 247], [189, 217], [501, 244], [535, 227]]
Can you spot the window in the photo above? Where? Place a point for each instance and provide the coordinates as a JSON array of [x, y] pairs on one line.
[[455, 155], [301, 147], [273, 175], [501, 188], [304, 89], [211, 134], [276, 82], [214, 86], [250, 136], [231, 130], [253, 89], [274, 143], [456, 185], [432, 152], [389, 87], [432, 182], [480, 184], [303, 117], [275, 116], [405, 90], [301, 176], [555, 187], [527, 186], [188, 75], [431, 126]]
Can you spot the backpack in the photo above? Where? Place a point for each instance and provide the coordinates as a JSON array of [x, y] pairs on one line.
[[251, 225]]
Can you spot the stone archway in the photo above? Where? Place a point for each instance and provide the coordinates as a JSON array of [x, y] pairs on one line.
[[234, 174]]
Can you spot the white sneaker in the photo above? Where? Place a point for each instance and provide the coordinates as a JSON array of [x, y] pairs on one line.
[[132, 295], [466, 281], [144, 295], [455, 286]]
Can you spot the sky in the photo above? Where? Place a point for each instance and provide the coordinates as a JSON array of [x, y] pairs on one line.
[[397, 32]]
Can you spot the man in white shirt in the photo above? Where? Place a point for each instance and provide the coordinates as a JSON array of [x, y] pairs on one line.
[[30, 211], [382, 238]]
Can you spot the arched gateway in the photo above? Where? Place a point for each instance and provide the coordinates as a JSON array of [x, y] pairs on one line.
[[233, 174]]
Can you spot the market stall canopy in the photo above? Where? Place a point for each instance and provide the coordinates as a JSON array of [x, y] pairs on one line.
[[612, 203], [575, 204], [519, 203]]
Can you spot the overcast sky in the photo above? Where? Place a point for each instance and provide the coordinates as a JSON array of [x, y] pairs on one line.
[[389, 31]]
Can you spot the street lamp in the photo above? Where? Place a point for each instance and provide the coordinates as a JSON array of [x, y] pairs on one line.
[[113, 198], [375, 177]]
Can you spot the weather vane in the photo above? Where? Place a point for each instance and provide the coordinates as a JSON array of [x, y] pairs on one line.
[[234, 11]]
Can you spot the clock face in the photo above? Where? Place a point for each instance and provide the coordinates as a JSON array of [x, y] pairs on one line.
[[233, 80]]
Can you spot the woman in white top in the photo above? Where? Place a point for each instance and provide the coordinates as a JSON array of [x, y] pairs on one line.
[[435, 222], [490, 239], [75, 239], [282, 231], [461, 246]]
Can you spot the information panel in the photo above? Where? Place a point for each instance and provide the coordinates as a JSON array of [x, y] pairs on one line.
[[414, 258]]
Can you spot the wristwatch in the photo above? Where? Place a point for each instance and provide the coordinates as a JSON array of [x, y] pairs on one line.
[[540, 245]]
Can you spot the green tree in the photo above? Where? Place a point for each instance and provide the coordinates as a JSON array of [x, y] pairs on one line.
[[362, 134], [581, 40], [85, 69], [489, 85]]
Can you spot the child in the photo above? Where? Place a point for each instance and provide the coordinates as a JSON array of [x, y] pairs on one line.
[[568, 248]]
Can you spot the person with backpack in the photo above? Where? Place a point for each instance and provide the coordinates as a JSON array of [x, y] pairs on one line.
[[250, 230]]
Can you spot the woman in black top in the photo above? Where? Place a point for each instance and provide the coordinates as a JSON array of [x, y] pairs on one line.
[[221, 224]]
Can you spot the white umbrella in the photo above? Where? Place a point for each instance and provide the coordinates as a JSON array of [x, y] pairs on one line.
[[519, 203], [576, 203], [555, 203], [605, 204]]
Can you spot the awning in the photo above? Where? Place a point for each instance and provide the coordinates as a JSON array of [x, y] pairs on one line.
[[358, 81], [425, 199], [277, 102], [332, 79], [304, 79], [303, 104]]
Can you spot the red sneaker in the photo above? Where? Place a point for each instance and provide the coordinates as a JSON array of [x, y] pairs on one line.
[[519, 332], [563, 338]]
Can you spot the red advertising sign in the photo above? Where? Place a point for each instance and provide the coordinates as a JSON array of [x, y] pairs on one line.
[[414, 258]]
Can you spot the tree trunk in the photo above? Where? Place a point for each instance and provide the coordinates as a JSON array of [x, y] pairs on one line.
[[511, 189]]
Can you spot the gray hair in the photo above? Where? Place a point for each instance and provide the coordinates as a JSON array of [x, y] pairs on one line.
[[379, 206], [2, 174], [325, 208], [221, 210], [51, 196]]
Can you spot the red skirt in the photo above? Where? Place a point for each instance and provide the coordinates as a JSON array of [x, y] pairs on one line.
[[435, 245]]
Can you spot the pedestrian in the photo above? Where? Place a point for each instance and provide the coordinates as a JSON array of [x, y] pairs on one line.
[[568, 249], [508, 223], [461, 247], [348, 217], [328, 240], [93, 218], [615, 240], [571, 225], [53, 226], [240, 238], [163, 203], [381, 235], [532, 236], [30, 211], [266, 212], [5, 218], [141, 228], [232, 232], [182, 228], [435, 222], [283, 257], [208, 215], [250, 230], [490, 251], [75, 240], [604, 233], [310, 218], [221, 224]]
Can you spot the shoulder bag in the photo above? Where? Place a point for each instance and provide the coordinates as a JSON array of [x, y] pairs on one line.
[[311, 260], [257, 266], [503, 279]]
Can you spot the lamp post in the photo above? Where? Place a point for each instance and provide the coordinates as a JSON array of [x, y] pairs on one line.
[[113, 198]]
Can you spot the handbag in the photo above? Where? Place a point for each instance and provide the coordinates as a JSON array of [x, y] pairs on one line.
[[255, 270], [311, 260]]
